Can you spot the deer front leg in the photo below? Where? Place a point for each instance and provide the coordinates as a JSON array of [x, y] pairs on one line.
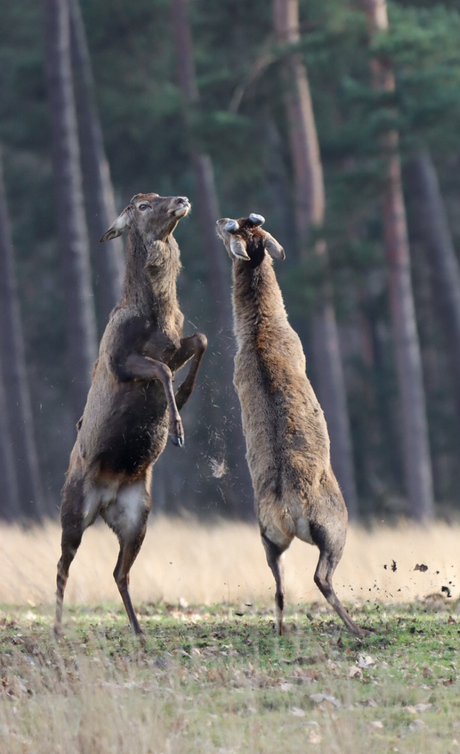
[[138, 367], [194, 346]]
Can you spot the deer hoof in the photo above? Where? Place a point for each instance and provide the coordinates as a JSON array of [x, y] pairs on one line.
[[178, 440]]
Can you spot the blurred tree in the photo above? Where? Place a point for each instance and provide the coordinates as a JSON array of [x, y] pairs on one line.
[[221, 337], [18, 426], [71, 222], [208, 203], [309, 213], [108, 260], [240, 122], [433, 227], [10, 508], [417, 460]]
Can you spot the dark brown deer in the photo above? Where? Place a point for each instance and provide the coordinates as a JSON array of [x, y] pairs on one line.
[[131, 406], [296, 492]]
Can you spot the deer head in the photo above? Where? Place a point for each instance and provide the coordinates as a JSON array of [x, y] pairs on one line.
[[154, 216], [244, 239]]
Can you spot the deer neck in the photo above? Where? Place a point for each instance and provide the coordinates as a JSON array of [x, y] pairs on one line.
[[257, 299], [150, 283]]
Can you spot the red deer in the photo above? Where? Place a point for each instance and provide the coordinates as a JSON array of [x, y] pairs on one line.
[[131, 407], [295, 490]]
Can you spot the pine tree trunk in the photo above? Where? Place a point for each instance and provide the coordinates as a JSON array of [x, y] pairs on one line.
[[108, 259], [221, 335], [310, 206], [332, 395], [435, 363], [208, 203], [418, 471], [71, 222], [17, 424], [10, 508], [444, 266]]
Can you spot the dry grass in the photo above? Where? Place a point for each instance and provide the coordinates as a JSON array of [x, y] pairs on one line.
[[182, 558], [219, 681]]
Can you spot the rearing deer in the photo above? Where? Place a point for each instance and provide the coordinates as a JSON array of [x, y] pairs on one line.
[[296, 492], [131, 406]]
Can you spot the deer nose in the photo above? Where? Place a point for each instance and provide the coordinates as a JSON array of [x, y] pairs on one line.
[[182, 200]]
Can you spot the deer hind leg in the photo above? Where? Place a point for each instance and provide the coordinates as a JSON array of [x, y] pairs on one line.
[[72, 532], [330, 552], [128, 518], [127, 555], [275, 560]]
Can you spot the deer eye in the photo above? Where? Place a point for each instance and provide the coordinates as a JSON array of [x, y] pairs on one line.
[[144, 206]]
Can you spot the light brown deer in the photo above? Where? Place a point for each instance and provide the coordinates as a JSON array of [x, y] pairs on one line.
[[131, 406], [296, 492]]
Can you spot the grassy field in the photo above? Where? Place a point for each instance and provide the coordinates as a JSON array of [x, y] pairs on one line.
[[213, 676], [217, 679]]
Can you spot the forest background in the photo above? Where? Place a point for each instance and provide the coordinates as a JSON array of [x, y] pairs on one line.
[[227, 103]]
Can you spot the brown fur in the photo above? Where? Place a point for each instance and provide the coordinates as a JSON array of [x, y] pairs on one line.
[[131, 406], [295, 490]]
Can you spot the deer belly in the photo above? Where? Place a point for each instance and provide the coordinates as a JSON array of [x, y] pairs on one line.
[[137, 434]]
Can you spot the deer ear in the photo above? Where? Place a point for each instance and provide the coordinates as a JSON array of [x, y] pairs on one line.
[[238, 249], [274, 248], [122, 223]]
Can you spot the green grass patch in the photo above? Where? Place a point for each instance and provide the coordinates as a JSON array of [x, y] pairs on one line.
[[218, 679]]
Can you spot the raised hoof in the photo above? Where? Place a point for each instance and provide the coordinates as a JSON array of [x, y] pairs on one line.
[[178, 440]]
